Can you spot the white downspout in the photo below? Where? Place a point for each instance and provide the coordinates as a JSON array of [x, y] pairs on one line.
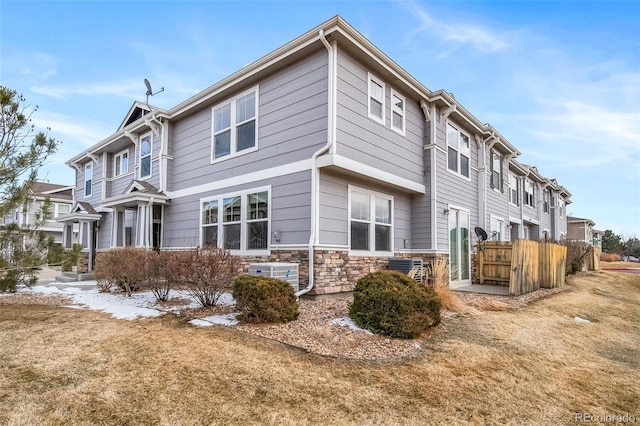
[[315, 187], [482, 183], [429, 112]]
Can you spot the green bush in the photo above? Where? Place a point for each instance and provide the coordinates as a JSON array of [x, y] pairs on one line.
[[392, 304], [264, 299]]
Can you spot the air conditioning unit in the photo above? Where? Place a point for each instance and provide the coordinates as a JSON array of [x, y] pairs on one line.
[[404, 265], [284, 271]]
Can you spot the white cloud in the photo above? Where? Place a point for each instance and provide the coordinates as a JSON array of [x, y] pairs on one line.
[[37, 66], [128, 88], [458, 34]]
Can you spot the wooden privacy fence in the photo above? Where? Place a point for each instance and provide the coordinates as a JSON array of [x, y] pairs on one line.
[[523, 265]]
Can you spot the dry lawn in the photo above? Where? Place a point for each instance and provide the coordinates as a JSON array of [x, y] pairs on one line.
[[534, 365]]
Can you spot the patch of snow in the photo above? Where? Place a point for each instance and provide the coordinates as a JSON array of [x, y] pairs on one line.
[[228, 319], [581, 320], [118, 305], [348, 322]]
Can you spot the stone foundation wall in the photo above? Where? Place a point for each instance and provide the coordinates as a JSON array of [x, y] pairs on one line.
[[335, 271], [82, 267]]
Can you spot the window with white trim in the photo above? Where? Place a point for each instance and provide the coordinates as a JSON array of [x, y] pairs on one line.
[[397, 112], [514, 190], [376, 99], [121, 163], [546, 200], [88, 178], [234, 126], [370, 221], [57, 209], [146, 145], [497, 229], [529, 196], [561, 207], [457, 150], [496, 171], [236, 222]]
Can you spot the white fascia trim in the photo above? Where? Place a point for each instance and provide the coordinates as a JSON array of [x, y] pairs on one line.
[[285, 169], [423, 251], [129, 197], [370, 172]]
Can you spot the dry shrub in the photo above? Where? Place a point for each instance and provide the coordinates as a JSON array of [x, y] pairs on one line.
[[610, 257], [451, 302], [123, 267], [436, 273], [489, 304], [156, 280], [205, 273], [577, 256]]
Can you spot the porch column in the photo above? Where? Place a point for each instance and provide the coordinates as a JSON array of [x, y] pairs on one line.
[[142, 226]]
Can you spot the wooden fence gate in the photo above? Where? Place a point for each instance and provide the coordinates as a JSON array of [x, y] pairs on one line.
[[523, 265]]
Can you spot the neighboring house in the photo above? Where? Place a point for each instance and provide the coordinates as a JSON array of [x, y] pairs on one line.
[[61, 198], [326, 153], [580, 229]]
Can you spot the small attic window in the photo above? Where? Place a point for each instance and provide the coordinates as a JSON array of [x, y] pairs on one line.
[[136, 114]]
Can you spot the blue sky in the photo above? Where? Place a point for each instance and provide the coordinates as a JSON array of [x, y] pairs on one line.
[[560, 80]]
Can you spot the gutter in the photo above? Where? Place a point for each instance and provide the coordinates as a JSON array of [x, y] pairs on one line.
[[429, 112], [331, 136]]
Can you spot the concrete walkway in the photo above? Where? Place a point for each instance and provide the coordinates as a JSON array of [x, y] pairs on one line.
[[496, 290]]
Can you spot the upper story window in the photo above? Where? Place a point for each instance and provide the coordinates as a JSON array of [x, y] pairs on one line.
[[58, 209], [234, 126], [88, 177], [371, 225], [146, 145], [546, 200], [560, 207], [529, 196], [397, 112], [496, 171], [458, 150], [514, 190], [121, 163], [236, 222], [376, 99]]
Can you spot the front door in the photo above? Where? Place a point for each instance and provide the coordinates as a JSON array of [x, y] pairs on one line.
[[459, 248], [156, 231]]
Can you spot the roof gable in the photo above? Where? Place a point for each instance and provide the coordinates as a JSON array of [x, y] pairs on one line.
[[137, 111]]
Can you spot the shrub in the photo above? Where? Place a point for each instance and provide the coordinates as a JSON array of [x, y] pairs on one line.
[[124, 267], [392, 304], [156, 265], [610, 257], [577, 256], [265, 299], [205, 273]]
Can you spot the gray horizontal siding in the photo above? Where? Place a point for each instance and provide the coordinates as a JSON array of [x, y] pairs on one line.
[[104, 233], [454, 189], [292, 124], [367, 141], [290, 211], [333, 209]]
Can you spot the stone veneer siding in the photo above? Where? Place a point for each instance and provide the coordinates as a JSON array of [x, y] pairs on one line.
[[82, 267], [335, 271]]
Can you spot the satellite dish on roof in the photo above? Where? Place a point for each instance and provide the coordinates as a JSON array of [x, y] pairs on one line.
[[481, 234], [150, 91]]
